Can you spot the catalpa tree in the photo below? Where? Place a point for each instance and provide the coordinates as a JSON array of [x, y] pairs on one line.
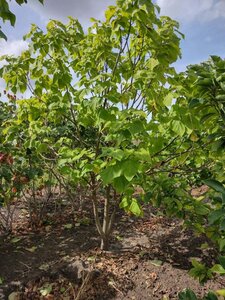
[[95, 102]]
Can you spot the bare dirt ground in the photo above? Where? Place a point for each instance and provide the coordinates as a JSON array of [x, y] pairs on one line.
[[149, 258]]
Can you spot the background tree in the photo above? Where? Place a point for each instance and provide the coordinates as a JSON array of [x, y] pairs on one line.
[[201, 95], [13, 175]]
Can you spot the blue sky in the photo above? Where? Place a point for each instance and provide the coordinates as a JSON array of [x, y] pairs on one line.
[[202, 22]]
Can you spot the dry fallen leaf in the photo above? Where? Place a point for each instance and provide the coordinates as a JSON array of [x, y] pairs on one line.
[[156, 262], [44, 267], [15, 240], [32, 249], [68, 226], [14, 296]]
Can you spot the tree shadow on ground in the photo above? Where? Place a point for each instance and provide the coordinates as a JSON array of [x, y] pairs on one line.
[[27, 259], [179, 246], [35, 258]]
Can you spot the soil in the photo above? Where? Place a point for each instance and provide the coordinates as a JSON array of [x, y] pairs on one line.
[[149, 258]]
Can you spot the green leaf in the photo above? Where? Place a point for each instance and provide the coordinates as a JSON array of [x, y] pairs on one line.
[[215, 216], [220, 97], [143, 154], [111, 172], [136, 127], [221, 244], [135, 208], [222, 84], [147, 197], [222, 261], [210, 296], [223, 198], [125, 202], [168, 99], [222, 224], [187, 294], [178, 127], [207, 117], [110, 12], [120, 184], [2, 35], [194, 102], [12, 18], [201, 209], [152, 63], [21, 1], [118, 154], [214, 184], [104, 114], [197, 264], [194, 137], [206, 82], [221, 292], [218, 269], [130, 169]]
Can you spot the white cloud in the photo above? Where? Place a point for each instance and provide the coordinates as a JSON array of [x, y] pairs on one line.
[[13, 47], [201, 10], [81, 9]]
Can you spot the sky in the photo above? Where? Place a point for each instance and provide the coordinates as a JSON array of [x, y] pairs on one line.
[[201, 21]]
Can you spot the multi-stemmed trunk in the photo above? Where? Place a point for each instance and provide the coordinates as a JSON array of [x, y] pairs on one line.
[[104, 228]]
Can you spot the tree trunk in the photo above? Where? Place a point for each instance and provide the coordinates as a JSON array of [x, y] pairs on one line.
[[105, 227], [104, 243]]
